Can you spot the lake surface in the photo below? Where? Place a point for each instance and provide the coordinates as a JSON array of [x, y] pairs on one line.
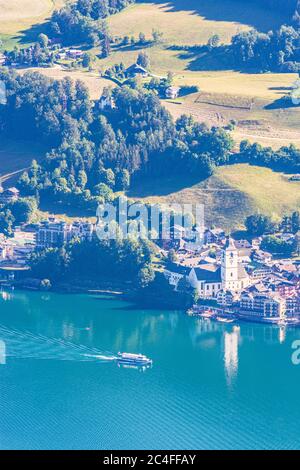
[[211, 386]]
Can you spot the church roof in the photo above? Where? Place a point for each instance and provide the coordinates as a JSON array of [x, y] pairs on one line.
[[208, 273]]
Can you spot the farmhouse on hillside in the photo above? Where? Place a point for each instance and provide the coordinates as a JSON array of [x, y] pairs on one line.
[[172, 92], [135, 70]]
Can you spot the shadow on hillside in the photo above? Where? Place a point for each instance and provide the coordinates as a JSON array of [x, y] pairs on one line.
[[200, 59], [248, 12], [284, 102], [161, 186], [31, 34]]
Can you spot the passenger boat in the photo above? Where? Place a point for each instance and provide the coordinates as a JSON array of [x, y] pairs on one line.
[[225, 320], [133, 359]]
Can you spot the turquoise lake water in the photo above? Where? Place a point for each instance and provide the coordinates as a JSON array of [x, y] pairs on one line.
[[211, 386]]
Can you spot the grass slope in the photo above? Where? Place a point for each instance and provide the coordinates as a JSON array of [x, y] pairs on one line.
[[19, 16], [186, 23], [190, 22], [230, 195], [92, 80]]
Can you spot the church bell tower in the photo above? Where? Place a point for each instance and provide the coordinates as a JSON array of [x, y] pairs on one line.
[[230, 266]]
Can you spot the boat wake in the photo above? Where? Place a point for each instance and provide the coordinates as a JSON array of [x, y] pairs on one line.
[[26, 345]]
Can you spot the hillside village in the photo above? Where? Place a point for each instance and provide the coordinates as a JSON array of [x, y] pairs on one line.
[[226, 274], [236, 275]]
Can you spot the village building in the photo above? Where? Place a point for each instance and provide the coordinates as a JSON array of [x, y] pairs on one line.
[[74, 53], [260, 271], [215, 235], [256, 242], [225, 298], [174, 273], [209, 277], [55, 233], [194, 239], [136, 70], [106, 102], [260, 256], [9, 195], [2, 58], [262, 305], [172, 92]]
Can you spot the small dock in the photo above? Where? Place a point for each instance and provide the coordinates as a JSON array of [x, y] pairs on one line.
[[226, 315]]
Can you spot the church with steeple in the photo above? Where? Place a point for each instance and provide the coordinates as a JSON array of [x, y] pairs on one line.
[[211, 279], [233, 274]]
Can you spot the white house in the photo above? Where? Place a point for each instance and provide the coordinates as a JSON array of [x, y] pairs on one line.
[[106, 102], [172, 92], [175, 273], [74, 53]]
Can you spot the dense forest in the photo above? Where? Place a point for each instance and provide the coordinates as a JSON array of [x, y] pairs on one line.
[[84, 21], [279, 5], [277, 51], [92, 153], [125, 260]]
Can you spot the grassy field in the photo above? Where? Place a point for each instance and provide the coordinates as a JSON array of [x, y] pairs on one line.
[[92, 80], [234, 191], [19, 17], [230, 195], [229, 95], [190, 22], [186, 23]]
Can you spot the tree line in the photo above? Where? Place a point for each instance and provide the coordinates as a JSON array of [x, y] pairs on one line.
[[264, 226], [276, 51], [127, 260], [92, 152], [83, 21], [285, 159]]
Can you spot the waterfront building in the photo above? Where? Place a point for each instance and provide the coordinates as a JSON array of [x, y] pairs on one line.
[[262, 305], [55, 233], [225, 298], [210, 277]]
